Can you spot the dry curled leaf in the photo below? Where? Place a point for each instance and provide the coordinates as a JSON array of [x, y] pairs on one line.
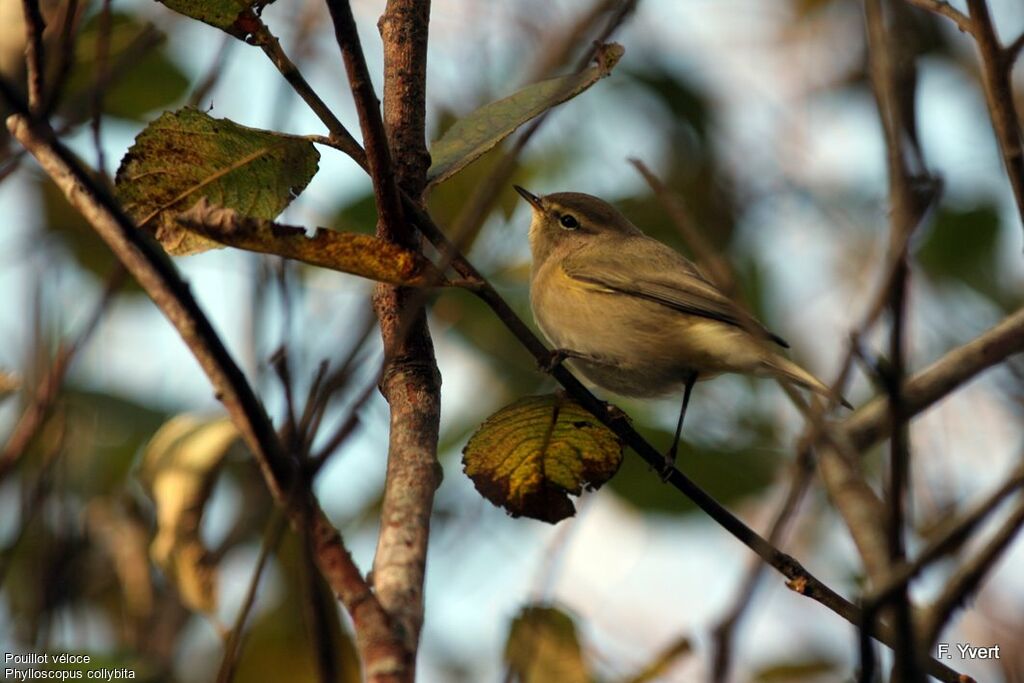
[[347, 252], [529, 455]]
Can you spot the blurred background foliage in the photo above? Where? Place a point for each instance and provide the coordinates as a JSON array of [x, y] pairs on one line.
[[758, 118]]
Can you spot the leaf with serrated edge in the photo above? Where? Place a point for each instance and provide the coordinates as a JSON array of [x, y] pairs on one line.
[[346, 252], [529, 455], [186, 155], [476, 133]]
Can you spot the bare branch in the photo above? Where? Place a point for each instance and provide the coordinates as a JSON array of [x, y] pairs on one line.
[[717, 268], [34, 58], [34, 417], [342, 139], [943, 8], [995, 72], [1013, 51], [969, 577], [952, 538], [872, 422]]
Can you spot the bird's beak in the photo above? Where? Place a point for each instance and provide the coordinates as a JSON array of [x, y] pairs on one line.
[[533, 199]]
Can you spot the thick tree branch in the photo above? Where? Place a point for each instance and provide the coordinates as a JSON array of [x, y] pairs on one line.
[[410, 380]]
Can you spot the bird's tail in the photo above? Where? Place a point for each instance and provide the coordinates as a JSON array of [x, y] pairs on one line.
[[787, 369]]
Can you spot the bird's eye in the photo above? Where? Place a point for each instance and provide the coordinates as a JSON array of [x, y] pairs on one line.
[[569, 222]]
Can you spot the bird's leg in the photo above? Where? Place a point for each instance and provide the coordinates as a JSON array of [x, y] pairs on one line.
[[557, 356], [670, 457]]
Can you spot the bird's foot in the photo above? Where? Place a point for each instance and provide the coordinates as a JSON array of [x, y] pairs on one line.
[[558, 356], [670, 462]]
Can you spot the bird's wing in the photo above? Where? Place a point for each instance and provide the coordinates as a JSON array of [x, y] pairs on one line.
[[655, 272]]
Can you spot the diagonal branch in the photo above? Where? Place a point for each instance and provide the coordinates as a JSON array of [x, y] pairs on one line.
[[943, 8], [995, 73], [872, 422], [969, 577]]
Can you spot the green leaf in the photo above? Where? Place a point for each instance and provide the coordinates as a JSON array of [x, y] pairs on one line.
[[87, 249], [481, 130], [962, 245], [530, 454], [543, 647], [346, 252], [187, 155], [240, 18], [178, 470], [108, 431], [142, 76], [359, 215], [728, 475]]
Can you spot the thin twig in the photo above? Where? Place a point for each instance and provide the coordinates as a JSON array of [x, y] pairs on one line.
[[954, 536], [217, 68], [969, 577], [1013, 51], [101, 83], [271, 46], [35, 415], [65, 58], [34, 53], [962, 21], [893, 73], [233, 646], [706, 255], [995, 72]]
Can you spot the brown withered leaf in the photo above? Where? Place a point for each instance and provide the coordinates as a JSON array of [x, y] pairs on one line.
[[347, 252]]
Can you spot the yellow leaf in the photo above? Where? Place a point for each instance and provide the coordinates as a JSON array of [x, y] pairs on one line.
[[348, 252], [179, 467], [542, 647], [530, 454]]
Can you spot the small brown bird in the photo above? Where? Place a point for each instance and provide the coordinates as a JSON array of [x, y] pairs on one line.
[[631, 314]]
